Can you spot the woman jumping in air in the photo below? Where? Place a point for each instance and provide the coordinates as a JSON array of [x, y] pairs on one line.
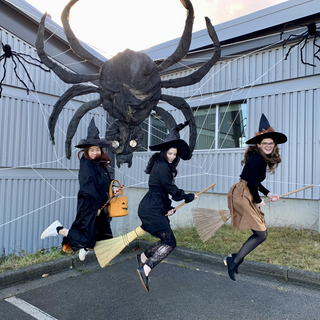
[[244, 201]]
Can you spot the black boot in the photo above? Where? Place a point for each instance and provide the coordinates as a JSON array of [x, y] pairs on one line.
[[232, 267], [234, 256]]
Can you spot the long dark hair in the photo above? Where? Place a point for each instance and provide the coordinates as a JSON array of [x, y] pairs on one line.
[[103, 158], [273, 159], [162, 155]]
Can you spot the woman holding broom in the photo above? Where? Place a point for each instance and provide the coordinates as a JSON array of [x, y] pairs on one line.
[[155, 207], [244, 201], [91, 223]]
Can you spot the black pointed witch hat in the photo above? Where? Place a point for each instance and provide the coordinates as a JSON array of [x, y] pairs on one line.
[[173, 141], [93, 138], [266, 131]]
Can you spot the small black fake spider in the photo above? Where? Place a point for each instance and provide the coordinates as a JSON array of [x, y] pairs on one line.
[[312, 31], [8, 53]]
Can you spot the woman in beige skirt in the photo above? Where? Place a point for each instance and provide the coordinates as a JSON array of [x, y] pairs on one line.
[[244, 201]]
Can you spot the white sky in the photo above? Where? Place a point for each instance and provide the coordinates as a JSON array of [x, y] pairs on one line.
[[111, 26]]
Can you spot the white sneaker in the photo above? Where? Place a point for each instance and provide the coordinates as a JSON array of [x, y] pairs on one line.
[[51, 231], [82, 254]]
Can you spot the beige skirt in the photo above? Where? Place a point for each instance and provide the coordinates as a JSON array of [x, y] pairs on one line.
[[244, 214]]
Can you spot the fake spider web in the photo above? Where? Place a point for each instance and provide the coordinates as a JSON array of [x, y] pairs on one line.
[[124, 175]]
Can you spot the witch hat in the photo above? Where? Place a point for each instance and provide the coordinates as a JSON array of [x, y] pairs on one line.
[[266, 131], [93, 138], [173, 141]]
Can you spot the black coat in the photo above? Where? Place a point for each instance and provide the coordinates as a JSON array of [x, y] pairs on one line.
[[156, 203], [93, 194]]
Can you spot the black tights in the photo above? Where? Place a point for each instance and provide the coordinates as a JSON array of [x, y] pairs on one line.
[[256, 238], [160, 250]]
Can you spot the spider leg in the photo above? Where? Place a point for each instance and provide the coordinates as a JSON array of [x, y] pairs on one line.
[[296, 44], [74, 43], [15, 71], [4, 73], [299, 36], [166, 117], [22, 56], [182, 105], [74, 91], [185, 41], [63, 74], [201, 72], [289, 24], [73, 124], [301, 54], [25, 69], [316, 45]]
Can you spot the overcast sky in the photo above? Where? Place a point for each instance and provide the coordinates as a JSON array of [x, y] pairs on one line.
[[114, 25]]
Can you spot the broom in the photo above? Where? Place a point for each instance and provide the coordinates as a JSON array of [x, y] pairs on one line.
[[106, 250], [208, 221]]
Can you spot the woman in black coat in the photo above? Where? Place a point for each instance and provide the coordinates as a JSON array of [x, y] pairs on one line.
[[155, 207], [91, 224]]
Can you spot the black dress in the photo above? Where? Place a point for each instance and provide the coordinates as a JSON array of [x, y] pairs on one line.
[[156, 203], [94, 185]]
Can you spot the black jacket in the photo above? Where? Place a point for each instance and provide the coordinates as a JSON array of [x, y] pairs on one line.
[[156, 203], [93, 194]]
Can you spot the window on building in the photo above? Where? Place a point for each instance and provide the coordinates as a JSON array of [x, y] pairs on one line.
[[158, 129], [232, 126], [221, 126], [218, 127]]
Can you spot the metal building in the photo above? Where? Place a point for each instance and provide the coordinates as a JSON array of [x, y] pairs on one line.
[[39, 185], [254, 76]]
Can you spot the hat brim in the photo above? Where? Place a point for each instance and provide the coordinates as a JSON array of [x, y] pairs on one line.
[[182, 147], [277, 136], [102, 143]]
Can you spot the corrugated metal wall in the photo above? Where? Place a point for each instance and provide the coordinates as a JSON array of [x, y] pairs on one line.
[[37, 183], [287, 91]]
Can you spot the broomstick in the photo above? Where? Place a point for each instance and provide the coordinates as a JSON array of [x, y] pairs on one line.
[[106, 250], [208, 221]]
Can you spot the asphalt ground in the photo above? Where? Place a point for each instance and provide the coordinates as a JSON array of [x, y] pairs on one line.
[[187, 285]]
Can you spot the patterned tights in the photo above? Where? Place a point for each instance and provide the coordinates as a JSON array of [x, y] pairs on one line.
[[160, 250]]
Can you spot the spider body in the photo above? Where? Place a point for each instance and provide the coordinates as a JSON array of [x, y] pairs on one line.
[[129, 88], [312, 31]]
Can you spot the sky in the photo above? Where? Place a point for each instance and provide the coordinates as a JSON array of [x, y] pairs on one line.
[[111, 26]]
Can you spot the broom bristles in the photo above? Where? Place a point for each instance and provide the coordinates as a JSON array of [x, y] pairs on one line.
[[208, 221], [106, 250]]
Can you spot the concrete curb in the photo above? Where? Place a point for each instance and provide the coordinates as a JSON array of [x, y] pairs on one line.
[[36, 271], [286, 273]]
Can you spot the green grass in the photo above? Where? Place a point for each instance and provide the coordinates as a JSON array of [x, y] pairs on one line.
[[24, 259], [284, 246]]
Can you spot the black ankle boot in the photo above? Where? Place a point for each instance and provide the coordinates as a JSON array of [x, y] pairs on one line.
[[234, 256], [232, 267]]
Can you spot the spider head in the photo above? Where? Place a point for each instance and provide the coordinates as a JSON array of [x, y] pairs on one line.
[[124, 141]]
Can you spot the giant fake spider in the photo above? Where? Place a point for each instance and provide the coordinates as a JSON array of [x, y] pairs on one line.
[[312, 31], [129, 86], [7, 54]]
